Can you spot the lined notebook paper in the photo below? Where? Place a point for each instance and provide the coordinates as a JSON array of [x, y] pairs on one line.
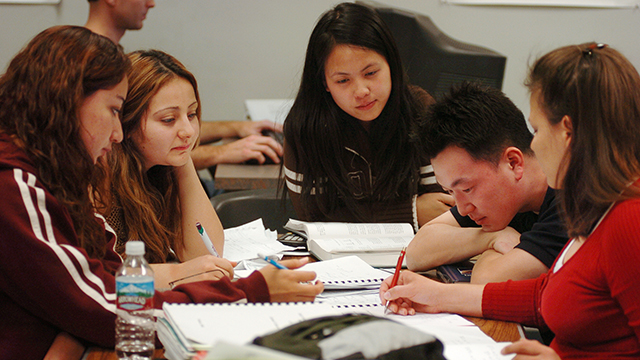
[[200, 325]]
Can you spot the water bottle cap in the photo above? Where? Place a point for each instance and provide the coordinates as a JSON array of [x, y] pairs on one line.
[[134, 247]]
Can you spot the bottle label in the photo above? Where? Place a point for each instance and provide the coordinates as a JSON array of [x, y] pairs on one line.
[[135, 293]]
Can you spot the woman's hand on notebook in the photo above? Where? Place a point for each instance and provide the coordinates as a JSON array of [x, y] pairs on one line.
[[289, 285], [416, 293]]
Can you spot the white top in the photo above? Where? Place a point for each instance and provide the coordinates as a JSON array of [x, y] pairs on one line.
[[560, 259], [134, 247]]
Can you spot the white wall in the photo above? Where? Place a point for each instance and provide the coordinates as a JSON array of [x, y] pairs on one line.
[[242, 49]]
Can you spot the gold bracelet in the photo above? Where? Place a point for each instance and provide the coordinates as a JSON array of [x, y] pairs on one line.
[[172, 283]]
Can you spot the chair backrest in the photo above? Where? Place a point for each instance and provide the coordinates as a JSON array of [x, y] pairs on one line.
[[240, 207]]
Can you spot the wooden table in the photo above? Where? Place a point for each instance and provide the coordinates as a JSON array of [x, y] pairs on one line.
[[110, 354], [499, 331], [246, 177]]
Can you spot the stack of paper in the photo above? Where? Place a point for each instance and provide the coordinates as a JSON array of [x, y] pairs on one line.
[[246, 241]]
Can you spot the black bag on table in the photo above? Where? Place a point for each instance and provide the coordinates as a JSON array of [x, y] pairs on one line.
[[354, 336]]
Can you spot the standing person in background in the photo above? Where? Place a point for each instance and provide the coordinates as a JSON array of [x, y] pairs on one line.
[[154, 192], [585, 112], [348, 152], [112, 18], [60, 100]]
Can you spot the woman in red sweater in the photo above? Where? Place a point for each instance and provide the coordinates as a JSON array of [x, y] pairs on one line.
[[585, 110]]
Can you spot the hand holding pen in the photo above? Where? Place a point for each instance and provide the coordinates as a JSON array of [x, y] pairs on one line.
[[287, 285], [396, 274]]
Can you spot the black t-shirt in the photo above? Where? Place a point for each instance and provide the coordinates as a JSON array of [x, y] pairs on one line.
[[543, 234]]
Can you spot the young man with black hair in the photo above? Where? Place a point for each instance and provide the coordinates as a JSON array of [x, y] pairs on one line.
[[479, 146]]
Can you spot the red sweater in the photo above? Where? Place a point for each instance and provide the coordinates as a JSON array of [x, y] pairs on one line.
[[592, 303], [48, 284]]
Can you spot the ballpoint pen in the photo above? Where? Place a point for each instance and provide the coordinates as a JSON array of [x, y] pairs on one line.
[[272, 262], [206, 239], [396, 274]]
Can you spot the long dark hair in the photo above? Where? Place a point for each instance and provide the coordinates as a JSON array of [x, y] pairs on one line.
[[315, 127], [149, 199], [40, 94], [597, 88]]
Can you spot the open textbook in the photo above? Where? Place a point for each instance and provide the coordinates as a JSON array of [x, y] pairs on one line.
[[378, 244]]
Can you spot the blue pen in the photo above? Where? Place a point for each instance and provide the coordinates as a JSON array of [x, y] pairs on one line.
[[273, 262]]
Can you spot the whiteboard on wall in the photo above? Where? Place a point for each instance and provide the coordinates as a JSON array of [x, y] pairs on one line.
[[555, 3]]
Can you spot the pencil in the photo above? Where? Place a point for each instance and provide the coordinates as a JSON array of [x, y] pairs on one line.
[[396, 275]]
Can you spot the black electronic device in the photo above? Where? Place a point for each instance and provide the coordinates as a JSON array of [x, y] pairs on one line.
[[453, 273], [293, 239], [435, 61]]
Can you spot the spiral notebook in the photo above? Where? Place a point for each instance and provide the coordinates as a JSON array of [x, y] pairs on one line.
[[188, 328], [350, 272], [199, 326]]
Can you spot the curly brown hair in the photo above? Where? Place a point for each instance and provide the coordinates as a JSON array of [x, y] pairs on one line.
[[40, 94]]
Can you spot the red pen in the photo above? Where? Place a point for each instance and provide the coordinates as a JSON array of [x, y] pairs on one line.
[[396, 274]]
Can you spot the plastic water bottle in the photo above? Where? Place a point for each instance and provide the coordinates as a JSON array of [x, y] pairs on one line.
[[135, 324]]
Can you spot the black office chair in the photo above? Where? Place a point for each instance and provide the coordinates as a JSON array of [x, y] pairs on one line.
[[240, 207]]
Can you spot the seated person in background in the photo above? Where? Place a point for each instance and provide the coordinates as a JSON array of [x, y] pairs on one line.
[[348, 152], [60, 100], [585, 111], [252, 145], [479, 145], [154, 192]]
